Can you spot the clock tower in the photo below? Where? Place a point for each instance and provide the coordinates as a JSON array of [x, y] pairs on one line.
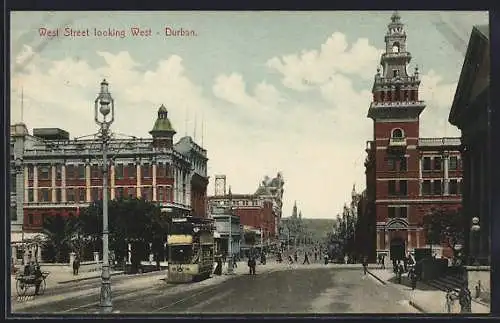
[[395, 111]]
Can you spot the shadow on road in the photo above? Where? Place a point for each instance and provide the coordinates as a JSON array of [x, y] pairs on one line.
[[405, 281]]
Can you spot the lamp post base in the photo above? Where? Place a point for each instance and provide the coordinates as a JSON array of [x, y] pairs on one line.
[[106, 304], [230, 269]]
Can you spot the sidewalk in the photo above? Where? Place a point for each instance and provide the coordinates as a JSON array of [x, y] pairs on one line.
[[424, 298]]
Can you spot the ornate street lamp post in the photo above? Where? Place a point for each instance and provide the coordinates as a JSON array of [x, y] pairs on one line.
[[104, 104], [475, 236]]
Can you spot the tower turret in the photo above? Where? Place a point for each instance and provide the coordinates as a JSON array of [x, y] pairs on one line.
[[395, 93], [163, 132]]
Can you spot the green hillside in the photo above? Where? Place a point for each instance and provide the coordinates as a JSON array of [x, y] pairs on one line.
[[318, 227]]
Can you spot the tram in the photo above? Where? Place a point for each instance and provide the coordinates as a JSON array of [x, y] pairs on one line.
[[190, 249]]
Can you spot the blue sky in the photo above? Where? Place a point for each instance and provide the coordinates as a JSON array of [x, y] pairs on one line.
[[277, 91]]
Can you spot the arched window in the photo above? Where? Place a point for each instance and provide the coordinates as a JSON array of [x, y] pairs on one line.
[[395, 47], [397, 133]]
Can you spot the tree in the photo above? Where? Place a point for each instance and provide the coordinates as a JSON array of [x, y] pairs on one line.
[[444, 227], [250, 237], [61, 234]]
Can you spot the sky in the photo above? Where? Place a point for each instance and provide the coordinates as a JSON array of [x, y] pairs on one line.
[[261, 91]]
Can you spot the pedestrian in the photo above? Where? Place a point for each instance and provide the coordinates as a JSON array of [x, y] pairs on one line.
[[399, 272], [251, 265], [306, 258], [450, 300], [465, 299], [326, 258], [76, 265], [405, 263], [365, 265], [290, 259], [296, 256], [383, 261], [413, 278], [218, 267], [315, 256], [346, 258]]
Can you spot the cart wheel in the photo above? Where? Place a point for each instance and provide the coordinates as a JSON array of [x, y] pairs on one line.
[[43, 286], [21, 288]]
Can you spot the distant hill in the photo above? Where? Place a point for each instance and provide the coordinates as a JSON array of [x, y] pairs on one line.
[[319, 227]]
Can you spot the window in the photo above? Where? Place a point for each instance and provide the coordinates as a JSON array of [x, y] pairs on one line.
[[161, 170], [119, 193], [392, 187], [391, 212], [147, 193], [44, 172], [94, 194], [58, 194], [82, 194], [30, 171], [70, 195], [146, 171], [160, 191], [181, 254], [453, 163], [437, 163], [30, 219], [426, 187], [30, 195], [403, 212], [70, 171], [437, 187], [44, 195], [13, 186], [397, 133], [132, 192], [453, 187], [131, 171], [427, 163], [459, 187], [119, 171], [59, 172], [403, 164], [391, 164], [13, 213], [168, 193], [403, 187], [81, 171], [94, 171], [395, 73]]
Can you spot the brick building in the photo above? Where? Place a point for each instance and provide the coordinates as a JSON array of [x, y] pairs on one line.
[[261, 210], [406, 175], [52, 174]]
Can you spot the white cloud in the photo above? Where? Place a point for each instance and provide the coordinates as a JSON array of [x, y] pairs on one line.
[[313, 67], [438, 97]]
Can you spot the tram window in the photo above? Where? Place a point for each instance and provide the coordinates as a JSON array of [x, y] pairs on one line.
[[181, 254]]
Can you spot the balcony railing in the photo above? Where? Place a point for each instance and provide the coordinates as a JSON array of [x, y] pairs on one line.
[[397, 141]]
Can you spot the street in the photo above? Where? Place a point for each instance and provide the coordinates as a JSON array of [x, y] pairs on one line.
[[304, 289]]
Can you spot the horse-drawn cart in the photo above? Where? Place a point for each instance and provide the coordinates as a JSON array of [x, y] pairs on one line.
[[24, 282]]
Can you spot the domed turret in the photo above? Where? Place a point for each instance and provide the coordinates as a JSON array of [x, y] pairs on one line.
[[162, 132]]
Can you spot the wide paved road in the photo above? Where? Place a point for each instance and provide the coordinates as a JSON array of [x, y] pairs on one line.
[[313, 289]]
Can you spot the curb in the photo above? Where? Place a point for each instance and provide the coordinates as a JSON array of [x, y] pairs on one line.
[[377, 278], [87, 278]]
